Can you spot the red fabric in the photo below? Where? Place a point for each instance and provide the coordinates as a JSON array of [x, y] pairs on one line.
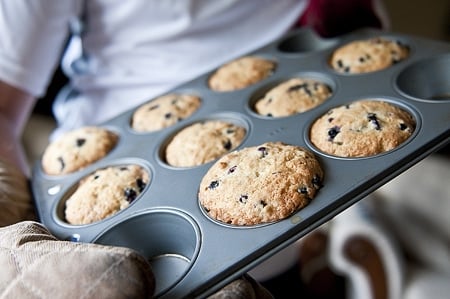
[[335, 17]]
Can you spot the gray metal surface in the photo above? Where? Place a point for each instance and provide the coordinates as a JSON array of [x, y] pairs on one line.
[[194, 256]]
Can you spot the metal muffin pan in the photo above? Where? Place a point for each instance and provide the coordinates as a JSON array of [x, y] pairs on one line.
[[193, 255]]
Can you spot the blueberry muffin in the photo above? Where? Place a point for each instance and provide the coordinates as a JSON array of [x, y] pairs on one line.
[[105, 192], [362, 128], [293, 96], [369, 55], [241, 73], [260, 184], [203, 142], [164, 111], [77, 149]]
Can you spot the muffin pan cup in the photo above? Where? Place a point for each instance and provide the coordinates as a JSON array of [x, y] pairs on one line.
[[193, 255]]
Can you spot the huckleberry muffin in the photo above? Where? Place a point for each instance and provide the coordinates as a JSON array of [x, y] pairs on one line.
[[362, 128], [293, 96], [203, 142], [241, 73], [260, 184], [77, 149], [105, 192], [369, 55], [164, 111]]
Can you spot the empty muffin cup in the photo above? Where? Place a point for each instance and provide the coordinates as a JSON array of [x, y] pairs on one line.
[[427, 79], [305, 41], [167, 238]]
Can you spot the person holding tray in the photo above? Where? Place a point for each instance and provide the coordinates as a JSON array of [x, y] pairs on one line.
[[118, 54]]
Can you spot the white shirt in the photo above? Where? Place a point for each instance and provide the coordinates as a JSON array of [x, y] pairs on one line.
[[136, 49]]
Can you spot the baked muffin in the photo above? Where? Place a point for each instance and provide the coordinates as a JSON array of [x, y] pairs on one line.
[[293, 96], [241, 73], [164, 111], [203, 142], [369, 55], [362, 128], [105, 192], [77, 149], [260, 184]]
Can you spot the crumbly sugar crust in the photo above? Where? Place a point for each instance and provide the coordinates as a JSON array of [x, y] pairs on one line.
[[105, 192], [260, 184], [164, 111], [373, 54], [362, 128], [241, 73], [293, 96], [77, 149], [203, 142]]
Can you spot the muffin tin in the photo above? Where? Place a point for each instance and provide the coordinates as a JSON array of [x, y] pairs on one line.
[[193, 255]]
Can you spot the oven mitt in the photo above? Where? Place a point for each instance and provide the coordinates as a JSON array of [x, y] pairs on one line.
[[243, 288], [15, 199], [34, 264]]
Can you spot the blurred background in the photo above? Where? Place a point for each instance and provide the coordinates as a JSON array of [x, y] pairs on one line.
[[429, 19]]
